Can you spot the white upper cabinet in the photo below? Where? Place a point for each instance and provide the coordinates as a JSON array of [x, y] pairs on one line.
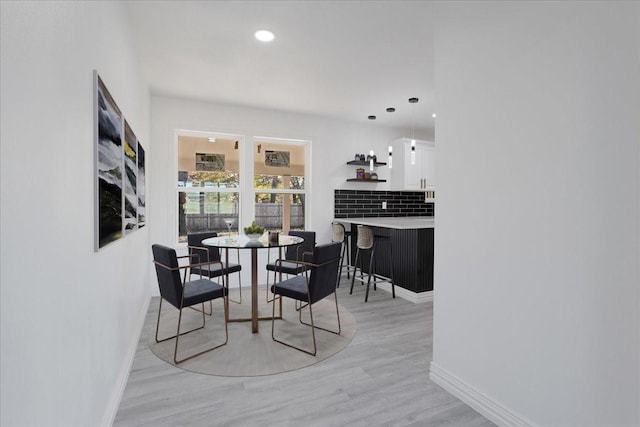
[[419, 176]]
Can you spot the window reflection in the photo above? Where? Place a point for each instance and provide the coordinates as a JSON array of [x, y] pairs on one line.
[[208, 179], [208, 184], [205, 211], [279, 184], [280, 212]]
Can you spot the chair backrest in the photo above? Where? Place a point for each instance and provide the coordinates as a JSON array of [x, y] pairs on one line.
[[365, 237], [294, 253], [337, 232], [196, 239], [168, 274], [324, 278]]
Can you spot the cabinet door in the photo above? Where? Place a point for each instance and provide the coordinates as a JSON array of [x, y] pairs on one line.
[[414, 173], [412, 177], [429, 167]]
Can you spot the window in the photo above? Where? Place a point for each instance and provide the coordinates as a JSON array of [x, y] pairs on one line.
[[208, 183], [279, 184]]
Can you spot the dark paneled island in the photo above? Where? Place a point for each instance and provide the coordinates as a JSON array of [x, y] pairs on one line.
[[412, 256]]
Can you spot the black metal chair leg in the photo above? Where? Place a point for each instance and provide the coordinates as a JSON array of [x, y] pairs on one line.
[[347, 244], [393, 287], [353, 276], [373, 269], [341, 263], [371, 273]]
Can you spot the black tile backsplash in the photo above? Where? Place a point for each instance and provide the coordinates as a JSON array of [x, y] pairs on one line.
[[368, 204]]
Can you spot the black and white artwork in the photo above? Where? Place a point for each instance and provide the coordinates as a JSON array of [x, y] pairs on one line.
[[130, 179], [109, 164], [210, 162], [276, 158], [141, 188]]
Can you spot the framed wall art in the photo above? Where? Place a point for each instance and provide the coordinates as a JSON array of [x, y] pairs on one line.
[[142, 215], [108, 166], [210, 162], [276, 158], [119, 171], [130, 179]]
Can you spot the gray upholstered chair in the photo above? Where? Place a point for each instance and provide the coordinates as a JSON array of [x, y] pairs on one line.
[[299, 252], [182, 293], [210, 256], [319, 280]]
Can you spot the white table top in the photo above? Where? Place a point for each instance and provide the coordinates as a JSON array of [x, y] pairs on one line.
[[400, 223]]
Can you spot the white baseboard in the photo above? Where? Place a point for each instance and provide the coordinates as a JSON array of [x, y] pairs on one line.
[[114, 404], [414, 297], [485, 405]]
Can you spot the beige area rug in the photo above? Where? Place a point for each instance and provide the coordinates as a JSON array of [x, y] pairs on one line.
[[247, 353]]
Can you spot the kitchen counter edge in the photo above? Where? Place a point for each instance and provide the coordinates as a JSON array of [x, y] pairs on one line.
[[400, 223]]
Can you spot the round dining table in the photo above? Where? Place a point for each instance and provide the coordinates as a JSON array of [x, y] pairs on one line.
[[244, 242]]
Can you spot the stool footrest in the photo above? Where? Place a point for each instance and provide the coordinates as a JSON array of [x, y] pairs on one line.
[[376, 277]]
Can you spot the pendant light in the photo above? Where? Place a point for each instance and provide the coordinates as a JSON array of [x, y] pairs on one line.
[[413, 151], [413, 101], [390, 159], [371, 152]]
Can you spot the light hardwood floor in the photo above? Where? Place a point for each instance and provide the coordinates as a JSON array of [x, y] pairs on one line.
[[380, 379]]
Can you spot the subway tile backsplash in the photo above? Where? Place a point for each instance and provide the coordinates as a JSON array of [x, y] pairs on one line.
[[363, 203]]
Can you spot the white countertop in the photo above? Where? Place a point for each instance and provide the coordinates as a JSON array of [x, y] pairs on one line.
[[400, 223]]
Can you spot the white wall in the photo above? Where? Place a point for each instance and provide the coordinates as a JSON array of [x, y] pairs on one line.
[[537, 298], [70, 316], [334, 142]]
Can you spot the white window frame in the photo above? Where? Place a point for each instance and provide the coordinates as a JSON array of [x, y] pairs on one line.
[[241, 170], [307, 173]]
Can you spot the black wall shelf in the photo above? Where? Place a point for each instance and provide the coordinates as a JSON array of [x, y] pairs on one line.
[[366, 180], [365, 163]]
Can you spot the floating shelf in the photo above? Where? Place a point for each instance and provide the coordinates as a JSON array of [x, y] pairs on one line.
[[365, 163], [366, 180]]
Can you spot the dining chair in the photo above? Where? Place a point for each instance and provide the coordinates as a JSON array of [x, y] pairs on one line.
[[289, 265], [210, 257], [182, 293], [319, 280]]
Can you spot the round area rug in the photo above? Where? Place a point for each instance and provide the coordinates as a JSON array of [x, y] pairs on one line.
[[246, 353]]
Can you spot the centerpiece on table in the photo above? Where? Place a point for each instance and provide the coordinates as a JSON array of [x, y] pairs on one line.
[[254, 231]]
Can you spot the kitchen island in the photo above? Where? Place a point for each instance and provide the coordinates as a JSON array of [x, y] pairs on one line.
[[412, 255]]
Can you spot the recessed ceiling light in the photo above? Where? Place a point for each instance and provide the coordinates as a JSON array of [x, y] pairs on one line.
[[264, 35], [433, 115], [212, 139]]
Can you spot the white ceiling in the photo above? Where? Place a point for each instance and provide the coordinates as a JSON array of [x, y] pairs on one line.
[[346, 59]]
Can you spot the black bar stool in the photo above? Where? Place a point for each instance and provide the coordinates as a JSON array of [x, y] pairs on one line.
[[367, 241], [340, 234]]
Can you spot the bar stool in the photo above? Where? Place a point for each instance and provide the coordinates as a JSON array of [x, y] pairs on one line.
[[368, 242], [339, 234]]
